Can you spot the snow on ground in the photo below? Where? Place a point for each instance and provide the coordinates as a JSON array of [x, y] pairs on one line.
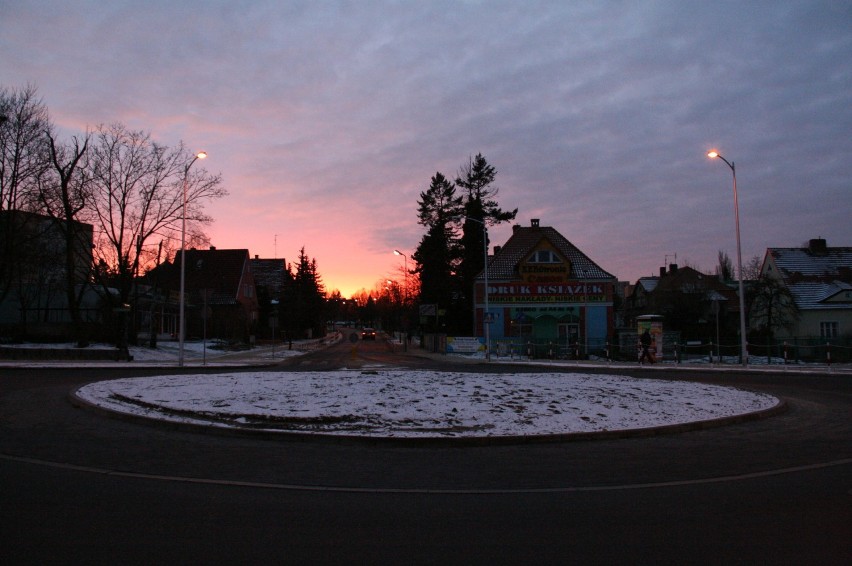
[[167, 352], [406, 403]]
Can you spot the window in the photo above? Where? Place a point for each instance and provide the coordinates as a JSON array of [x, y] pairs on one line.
[[828, 330], [544, 256]]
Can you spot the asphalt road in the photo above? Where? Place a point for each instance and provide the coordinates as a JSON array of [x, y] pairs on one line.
[[77, 487]]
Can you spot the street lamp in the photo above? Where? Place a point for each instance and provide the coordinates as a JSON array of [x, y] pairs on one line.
[[182, 324], [743, 339], [485, 322], [404, 300], [405, 259], [585, 273]]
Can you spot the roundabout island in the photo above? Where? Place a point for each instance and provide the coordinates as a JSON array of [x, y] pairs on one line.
[[419, 459], [417, 404]]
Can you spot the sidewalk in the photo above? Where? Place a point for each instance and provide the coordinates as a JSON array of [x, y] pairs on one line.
[[839, 369], [167, 355]]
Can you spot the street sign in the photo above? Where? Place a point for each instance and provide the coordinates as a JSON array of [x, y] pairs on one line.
[[428, 310]]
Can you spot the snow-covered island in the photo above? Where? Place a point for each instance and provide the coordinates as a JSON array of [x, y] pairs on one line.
[[423, 404]]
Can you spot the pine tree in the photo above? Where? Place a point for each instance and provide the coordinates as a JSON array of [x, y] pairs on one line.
[[304, 298], [437, 254], [480, 209]]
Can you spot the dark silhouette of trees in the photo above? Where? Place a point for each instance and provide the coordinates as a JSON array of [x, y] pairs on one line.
[[770, 306], [64, 195], [23, 160], [446, 263], [480, 208], [437, 254], [137, 195], [303, 301]]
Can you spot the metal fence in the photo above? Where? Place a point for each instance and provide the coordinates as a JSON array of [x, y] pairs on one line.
[[805, 350], [790, 351]]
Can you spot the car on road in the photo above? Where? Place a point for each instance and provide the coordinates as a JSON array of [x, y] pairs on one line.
[[368, 334]]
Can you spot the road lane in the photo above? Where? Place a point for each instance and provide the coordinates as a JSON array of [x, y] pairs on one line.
[[775, 490]]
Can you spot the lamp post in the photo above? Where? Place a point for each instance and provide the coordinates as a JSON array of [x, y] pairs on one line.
[[585, 273], [182, 324], [404, 300], [405, 259], [743, 338], [486, 323]]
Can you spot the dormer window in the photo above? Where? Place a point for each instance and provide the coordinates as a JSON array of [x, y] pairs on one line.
[[544, 256]]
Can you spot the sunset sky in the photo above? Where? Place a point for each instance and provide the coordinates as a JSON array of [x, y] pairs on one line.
[[327, 119]]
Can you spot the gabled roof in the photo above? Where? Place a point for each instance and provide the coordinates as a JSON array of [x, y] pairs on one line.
[[269, 273], [688, 281], [814, 274], [648, 284], [524, 239], [814, 295], [220, 271], [833, 263]]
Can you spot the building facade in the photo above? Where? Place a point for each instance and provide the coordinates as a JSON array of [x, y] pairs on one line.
[[545, 296], [221, 298], [819, 278], [34, 275]]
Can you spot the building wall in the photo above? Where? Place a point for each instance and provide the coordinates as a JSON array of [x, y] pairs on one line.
[[561, 313], [809, 323]]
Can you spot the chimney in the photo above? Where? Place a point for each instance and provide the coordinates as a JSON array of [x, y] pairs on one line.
[[515, 228], [672, 268], [663, 271], [213, 248], [534, 222], [497, 249], [818, 246]]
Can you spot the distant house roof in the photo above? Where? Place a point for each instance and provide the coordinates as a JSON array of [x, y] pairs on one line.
[[523, 241], [269, 273], [219, 271], [832, 263], [648, 284], [815, 275], [815, 295], [687, 280]]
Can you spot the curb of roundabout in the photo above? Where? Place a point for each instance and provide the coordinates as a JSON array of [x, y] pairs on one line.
[[213, 427]]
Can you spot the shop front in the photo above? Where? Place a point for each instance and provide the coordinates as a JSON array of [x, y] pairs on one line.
[[545, 297]]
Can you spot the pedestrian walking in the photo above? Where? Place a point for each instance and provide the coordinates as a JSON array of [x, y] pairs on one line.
[[646, 347]]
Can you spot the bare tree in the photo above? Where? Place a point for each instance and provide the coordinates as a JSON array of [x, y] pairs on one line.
[[64, 194], [23, 120], [752, 268], [138, 190], [771, 307], [725, 267]]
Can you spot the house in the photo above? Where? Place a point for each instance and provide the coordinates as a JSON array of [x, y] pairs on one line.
[[271, 278], [690, 303], [543, 291], [637, 298], [34, 276], [221, 298], [819, 278]]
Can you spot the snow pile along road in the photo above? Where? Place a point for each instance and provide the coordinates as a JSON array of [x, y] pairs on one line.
[[401, 403]]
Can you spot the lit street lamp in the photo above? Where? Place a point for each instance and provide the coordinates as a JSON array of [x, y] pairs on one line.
[[182, 324], [405, 259], [743, 339]]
